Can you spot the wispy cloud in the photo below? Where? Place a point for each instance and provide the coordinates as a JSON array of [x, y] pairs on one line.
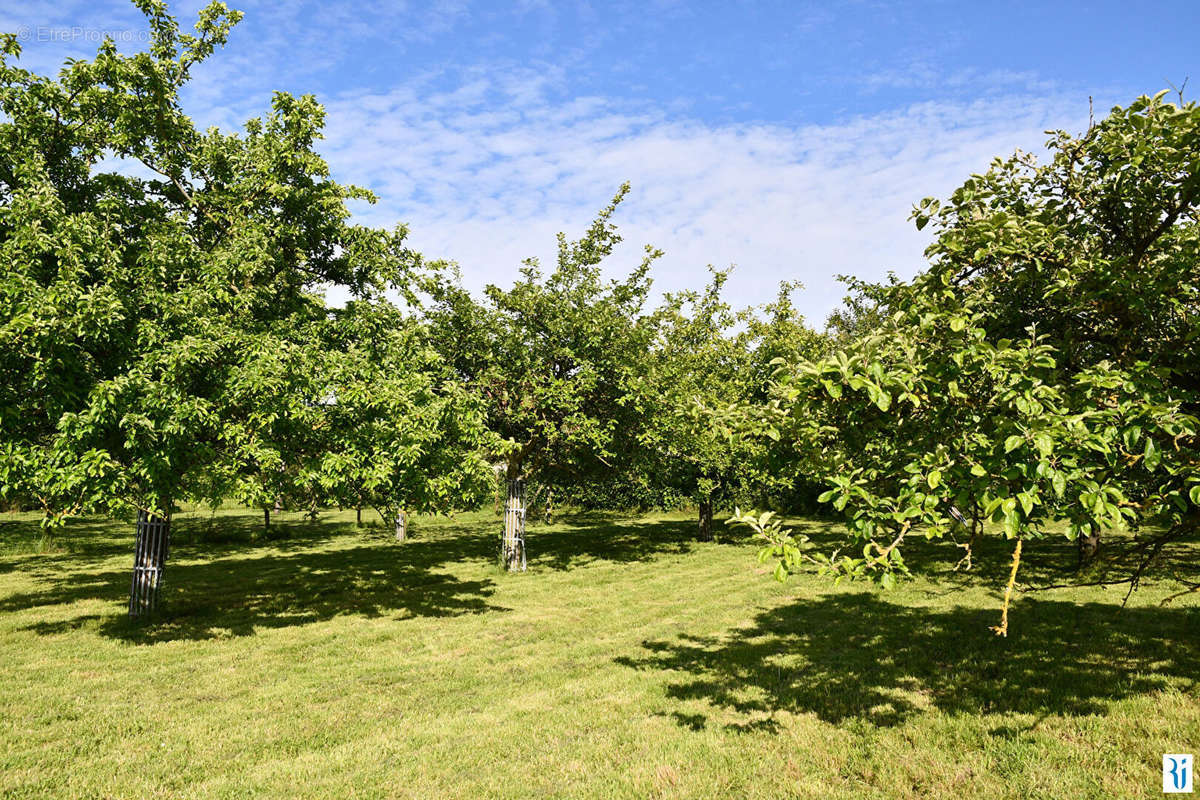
[[487, 159], [489, 188], [925, 74]]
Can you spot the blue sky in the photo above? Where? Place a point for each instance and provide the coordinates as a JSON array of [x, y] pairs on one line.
[[789, 139]]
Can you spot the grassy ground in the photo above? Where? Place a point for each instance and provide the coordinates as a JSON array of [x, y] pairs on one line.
[[630, 661]]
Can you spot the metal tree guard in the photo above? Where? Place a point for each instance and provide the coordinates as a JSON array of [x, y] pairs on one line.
[[150, 554]]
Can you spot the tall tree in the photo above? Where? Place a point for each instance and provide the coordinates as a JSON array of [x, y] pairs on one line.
[[154, 315]]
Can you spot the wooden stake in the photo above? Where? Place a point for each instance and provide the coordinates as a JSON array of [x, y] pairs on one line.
[[1002, 628], [513, 544]]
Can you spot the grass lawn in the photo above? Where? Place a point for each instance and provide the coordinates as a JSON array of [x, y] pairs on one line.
[[630, 661]]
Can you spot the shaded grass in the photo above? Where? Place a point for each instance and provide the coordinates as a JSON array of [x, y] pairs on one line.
[[631, 661]]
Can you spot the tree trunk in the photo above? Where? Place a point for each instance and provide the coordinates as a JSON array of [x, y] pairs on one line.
[[266, 519], [549, 506], [401, 525], [976, 530], [149, 558], [513, 544], [1088, 546], [358, 516], [706, 521]]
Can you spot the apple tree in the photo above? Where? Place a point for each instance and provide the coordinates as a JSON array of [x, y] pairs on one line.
[[1041, 372], [161, 284], [551, 356]]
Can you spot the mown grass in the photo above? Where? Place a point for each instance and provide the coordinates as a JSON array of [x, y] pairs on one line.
[[630, 661]]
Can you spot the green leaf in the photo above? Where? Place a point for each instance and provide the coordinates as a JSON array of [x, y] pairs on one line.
[[1013, 442], [990, 505], [934, 479], [1045, 444], [1059, 482], [1132, 434], [1152, 456], [978, 471]]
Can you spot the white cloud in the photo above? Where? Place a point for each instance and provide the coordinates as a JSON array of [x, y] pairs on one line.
[[489, 187], [488, 172]]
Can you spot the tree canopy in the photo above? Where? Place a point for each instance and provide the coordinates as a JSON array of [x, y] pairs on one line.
[[552, 355], [706, 355], [164, 336], [163, 283], [1041, 371]]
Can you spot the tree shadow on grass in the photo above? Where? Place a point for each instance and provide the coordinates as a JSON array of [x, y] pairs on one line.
[[82, 541], [856, 657], [241, 593], [241, 587], [572, 541], [586, 538]]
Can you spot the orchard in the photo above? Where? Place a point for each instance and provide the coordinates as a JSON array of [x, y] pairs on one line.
[[569, 485]]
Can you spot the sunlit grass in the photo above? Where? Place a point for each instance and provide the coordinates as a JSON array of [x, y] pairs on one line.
[[630, 661]]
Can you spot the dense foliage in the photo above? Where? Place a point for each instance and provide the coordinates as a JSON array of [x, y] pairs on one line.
[[1042, 370], [397, 431], [162, 287], [552, 356], [706, 356]]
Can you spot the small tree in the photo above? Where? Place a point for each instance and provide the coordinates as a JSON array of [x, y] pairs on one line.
[[707, 356], [551, 357], [696, 359], [397, 433]]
